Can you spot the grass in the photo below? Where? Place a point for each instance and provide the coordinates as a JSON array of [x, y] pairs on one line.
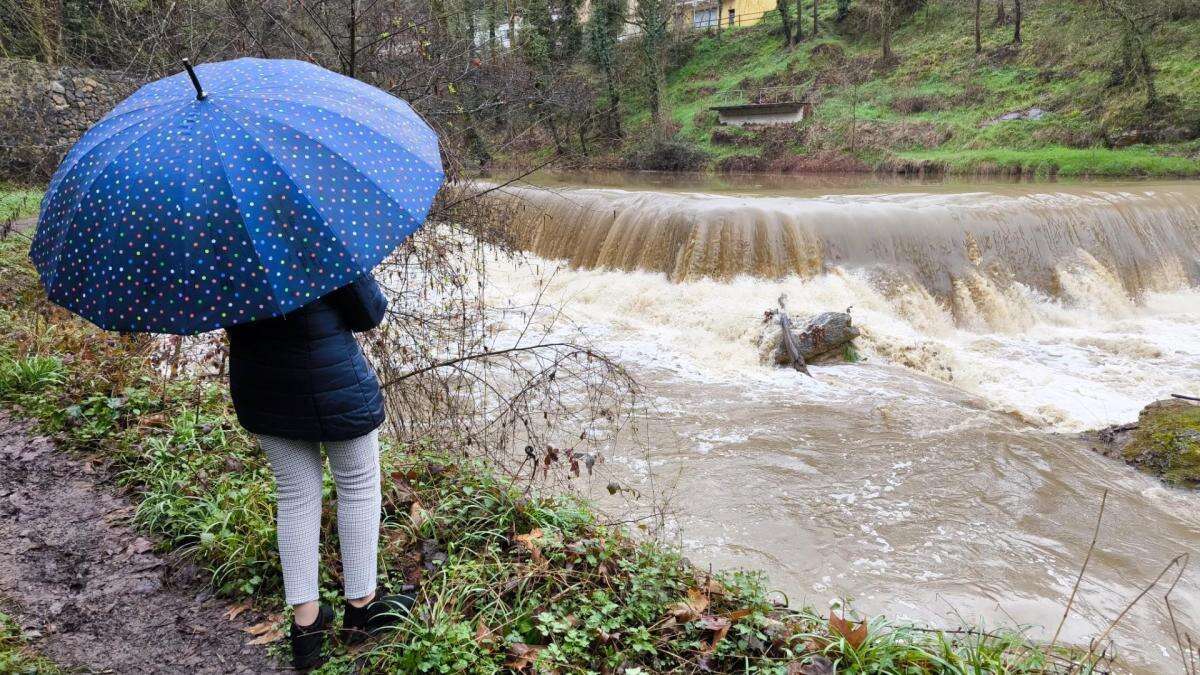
[[18, 202], [1050, 161], [508, 580], [937, 102], [16, 656]]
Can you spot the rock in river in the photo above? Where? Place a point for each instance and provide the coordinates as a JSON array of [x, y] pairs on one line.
[[1164, 441], [824, 335]]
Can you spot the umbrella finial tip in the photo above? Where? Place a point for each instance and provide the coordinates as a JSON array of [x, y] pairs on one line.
[[200, 95]]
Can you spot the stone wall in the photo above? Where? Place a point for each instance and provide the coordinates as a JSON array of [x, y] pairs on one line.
[[45, 109]]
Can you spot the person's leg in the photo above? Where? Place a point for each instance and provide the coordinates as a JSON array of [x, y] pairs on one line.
[[355, 466], [298, 472]]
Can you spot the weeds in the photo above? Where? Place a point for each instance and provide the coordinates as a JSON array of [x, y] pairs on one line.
[[15, 654]]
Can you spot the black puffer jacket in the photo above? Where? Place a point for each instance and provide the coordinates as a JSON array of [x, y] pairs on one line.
[[303, 376]]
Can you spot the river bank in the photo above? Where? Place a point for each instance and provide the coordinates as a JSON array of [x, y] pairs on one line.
[[1054, 103], [507, 579]]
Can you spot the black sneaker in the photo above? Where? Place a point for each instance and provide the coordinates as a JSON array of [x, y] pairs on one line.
[[359, 623], [308, 642]]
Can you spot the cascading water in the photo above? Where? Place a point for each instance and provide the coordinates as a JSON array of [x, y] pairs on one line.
[[934, 476], [964, 249]]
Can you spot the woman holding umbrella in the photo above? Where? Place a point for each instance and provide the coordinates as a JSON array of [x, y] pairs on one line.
[[259, 206]]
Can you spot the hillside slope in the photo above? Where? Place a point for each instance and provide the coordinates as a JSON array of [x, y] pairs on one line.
[[937, 105]]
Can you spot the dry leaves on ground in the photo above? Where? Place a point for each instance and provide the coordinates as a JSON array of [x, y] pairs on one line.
[[521, 656], [854, 633], [818, 665], [691, 608], [237, 610], [527, 542], [266, 632]]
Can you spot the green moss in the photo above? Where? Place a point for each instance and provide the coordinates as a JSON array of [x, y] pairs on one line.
[[1167, 442]]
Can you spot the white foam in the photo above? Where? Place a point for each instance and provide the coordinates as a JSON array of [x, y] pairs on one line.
[[1091, 358]]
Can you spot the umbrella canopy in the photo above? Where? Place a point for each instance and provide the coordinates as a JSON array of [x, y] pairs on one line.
[[261, 187]]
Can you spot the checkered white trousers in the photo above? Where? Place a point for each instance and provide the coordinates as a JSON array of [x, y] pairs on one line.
[[298, 470]]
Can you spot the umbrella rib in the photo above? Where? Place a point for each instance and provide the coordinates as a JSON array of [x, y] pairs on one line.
[[100, 171], [395, 204], [357, 262], [330, 111], [224, 170]]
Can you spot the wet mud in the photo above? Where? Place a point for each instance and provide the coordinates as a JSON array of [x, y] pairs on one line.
[[91, 593]]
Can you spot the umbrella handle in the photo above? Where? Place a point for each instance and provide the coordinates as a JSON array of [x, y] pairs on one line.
[[200, 95]]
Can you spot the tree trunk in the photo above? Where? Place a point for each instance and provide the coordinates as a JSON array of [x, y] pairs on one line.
[[885, 29], [784, 18], [1016, 22], [816, 5], [1001, 14], [799, 20], [1148, 75], [978, 39], [613, 114], [352, 56]]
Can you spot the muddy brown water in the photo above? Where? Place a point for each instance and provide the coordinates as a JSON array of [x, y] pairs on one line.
[[940, 479]]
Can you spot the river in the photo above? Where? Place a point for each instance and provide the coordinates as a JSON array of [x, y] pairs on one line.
[[941, 477]]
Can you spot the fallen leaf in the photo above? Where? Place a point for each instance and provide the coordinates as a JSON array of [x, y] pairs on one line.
[[273, 635], [854, 633], [691, 608], [739, 614], [261, 628], [483, 634], [417, 514], [526, 541], [719, 625], [817, 665], [522, 656], [236, 610]]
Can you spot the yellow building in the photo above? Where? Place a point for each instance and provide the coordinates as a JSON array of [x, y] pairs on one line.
[[722, 13]]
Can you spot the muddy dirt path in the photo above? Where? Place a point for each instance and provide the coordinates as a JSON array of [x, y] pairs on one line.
[[91, 592]]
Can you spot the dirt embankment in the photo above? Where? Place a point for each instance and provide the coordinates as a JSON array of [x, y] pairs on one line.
[[91, 593]]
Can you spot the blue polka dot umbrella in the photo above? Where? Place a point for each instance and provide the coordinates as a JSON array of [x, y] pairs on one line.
[[236, 192]]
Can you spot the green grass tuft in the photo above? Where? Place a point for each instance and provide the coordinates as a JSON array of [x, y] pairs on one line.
[[16, 656]]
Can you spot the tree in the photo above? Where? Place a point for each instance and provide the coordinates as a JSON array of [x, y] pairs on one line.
[[978, 39], [1016, 22], [789, 38], [885, 9], [816, 6], [843, 9], [536, 42], [1136, 22], [1001, 14], [603, 29], [650, 17]]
